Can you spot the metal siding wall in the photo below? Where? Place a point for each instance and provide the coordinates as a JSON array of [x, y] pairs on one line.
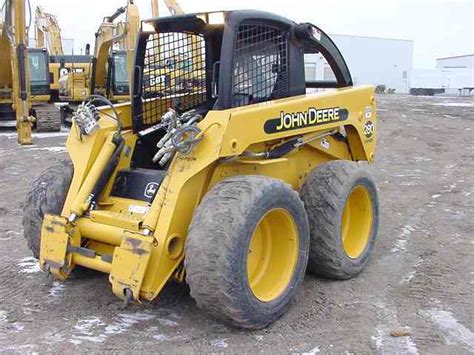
[[457, 62], [377, 61]]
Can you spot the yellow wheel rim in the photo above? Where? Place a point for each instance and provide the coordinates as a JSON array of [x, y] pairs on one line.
[[357, 222], [272, 255]]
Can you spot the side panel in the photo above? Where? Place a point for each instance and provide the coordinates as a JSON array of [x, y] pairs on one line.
[[294, 116]]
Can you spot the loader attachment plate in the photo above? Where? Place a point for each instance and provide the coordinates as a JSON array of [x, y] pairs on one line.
[[129, 264], [54, 244]]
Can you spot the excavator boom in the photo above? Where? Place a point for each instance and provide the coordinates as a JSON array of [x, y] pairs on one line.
[[48, 32], [14, 71], [173, 7]]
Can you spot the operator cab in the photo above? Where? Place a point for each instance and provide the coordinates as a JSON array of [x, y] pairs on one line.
[[118, 74], [39, 72], [216, 61]]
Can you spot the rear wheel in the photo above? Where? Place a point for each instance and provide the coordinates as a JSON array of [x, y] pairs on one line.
[[342, 205], [46, 196], [247, 250]]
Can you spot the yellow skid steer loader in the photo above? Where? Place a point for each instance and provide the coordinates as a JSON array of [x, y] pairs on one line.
[[236, 182]]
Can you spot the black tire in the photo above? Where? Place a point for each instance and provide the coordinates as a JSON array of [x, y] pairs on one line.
[[325, 193], [217, 249], [47, 195]]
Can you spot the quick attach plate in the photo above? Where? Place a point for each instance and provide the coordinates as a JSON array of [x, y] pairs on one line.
[[55, 235], [129, 264]]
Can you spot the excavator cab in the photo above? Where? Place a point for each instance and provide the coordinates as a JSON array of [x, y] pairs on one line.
[[119, 84], [39, 74]]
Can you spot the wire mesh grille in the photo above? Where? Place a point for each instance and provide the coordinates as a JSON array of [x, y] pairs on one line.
[[261, 64], [174, 74]]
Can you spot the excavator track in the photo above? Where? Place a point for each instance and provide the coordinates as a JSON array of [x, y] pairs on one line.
[[48, 119]]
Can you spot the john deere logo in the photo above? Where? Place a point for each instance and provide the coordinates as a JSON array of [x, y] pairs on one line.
[[151, 189], [312, 117]]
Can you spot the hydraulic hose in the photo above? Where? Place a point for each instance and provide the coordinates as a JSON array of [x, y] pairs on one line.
[[98, 98]]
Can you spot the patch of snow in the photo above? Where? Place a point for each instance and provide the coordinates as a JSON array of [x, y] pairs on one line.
[[3, 316], [314, 350], [407, 230], [12, 327], [14, 135], [454, 104], [53, 338], [453, 331], [94, 330], [85, 329], [436, 196], [161, 337], [50, 149], [125, 321], [168, 322], [220, 343], [408, 277], [401, 242], [29, 265], [422, 159], [57, 290]]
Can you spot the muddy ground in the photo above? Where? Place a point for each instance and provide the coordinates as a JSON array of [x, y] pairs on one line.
[[420, 279]]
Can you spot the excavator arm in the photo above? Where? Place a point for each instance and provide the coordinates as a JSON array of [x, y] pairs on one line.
[[48, 32], [173, 7]]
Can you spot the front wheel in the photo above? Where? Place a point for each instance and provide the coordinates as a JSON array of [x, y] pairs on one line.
[[247, 250], [47, 196]]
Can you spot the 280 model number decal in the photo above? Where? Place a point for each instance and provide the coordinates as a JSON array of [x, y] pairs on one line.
[[369, 129], [303, 119]]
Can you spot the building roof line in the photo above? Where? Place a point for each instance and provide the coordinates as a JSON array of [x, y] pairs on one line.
[[457, 56]]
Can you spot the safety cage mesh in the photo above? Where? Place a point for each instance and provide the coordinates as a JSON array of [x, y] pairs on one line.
[[174, 74], [260, 64]]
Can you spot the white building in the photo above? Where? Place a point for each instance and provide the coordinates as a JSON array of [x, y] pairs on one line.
[[454, 75], [457, 62], [371, 60]]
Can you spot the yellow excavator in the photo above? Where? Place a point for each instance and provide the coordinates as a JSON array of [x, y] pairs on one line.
[[112, 60], [108, 69], [113, 54], [178, 72], [114, 49], [24, 78], [48, 34]]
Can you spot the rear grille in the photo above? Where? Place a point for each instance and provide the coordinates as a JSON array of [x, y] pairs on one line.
[[174, 74]]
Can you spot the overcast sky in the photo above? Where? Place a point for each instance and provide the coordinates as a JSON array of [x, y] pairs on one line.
[[439, 28]]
